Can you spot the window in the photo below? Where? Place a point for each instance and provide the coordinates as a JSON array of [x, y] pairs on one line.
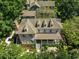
[[38, 41], [53, 31], [41, 30], [47, 30], [51, 7], [51, 42], [24, 29], [44, 42], [24, 35]]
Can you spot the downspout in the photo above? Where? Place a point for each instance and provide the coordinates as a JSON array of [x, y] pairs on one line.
[[7, 41]]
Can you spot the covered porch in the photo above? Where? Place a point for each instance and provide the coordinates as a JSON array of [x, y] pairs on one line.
[[47, 39]]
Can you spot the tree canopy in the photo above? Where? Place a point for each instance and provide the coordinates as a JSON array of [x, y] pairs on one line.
[[9, 11], [67, 8], [71, 31]]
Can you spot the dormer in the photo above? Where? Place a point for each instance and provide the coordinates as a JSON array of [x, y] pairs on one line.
[[44, 23], [34, 6], [50, 23], [24, 29], [37, 23]]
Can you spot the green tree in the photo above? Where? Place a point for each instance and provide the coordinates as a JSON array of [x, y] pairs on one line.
[[63, 54], [71, 31], [66, 8], [10, 52], [9, 11], [74, 53]]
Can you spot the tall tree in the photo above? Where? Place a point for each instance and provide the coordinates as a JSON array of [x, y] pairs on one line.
[[66, 8], [9, 10], [71, 31]]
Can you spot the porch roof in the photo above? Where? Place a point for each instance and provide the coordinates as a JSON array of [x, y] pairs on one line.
[[48, 36]]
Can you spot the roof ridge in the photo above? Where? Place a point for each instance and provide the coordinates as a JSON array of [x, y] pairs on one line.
[[31, 25]]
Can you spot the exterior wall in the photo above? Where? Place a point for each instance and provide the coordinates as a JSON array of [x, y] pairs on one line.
[[53, 31], [26, 39]]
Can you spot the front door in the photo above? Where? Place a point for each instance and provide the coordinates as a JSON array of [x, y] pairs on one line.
[[38, 46]]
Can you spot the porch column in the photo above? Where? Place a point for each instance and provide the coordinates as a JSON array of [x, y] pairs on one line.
[[41, 43], [47, 41]]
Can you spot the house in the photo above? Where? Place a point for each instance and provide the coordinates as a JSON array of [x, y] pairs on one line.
[[39, 31]]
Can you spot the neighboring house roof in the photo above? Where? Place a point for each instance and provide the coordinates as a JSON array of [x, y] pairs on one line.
[[34, 4], [28, 13], [40, 3], [46, 3], [47, 36], [29, 1], [42, 10]]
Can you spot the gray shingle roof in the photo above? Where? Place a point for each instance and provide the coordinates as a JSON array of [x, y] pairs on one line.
[[47, 36], [23, 25], [30, 25]]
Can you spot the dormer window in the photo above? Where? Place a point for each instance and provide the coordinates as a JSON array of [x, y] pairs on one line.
[[50, 23], [44, 24], [24, 29], [37, 24]]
